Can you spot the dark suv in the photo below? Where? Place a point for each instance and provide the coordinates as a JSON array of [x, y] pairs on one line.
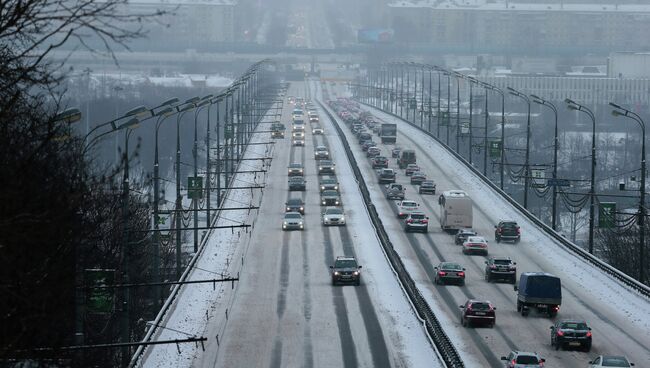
[[500, 268], [346, 270], [477, 311], [571, 333], [507, 230], [295, 205]]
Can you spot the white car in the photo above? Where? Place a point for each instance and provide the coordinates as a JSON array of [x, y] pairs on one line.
[[321, 153], [317, 130], [333, 216], [405, 207], [610, 361], [475, 245]]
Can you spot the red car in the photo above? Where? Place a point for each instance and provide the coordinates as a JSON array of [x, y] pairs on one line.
[[477, 311], [411, 168], [475, 244]]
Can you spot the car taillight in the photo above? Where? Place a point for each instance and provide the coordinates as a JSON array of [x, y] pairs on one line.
[[461, 274], [499, 230], [513, 363], [493, 267], [442, 273], [409, 221], [588, 333], [560, 333], [425, 221], [518, 231], [556, 308]]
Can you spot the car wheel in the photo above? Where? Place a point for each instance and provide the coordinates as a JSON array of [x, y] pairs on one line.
[[587, 348], [518, 306], [462, 283], [492, 325], [488, 278], [513, 280], [426, 229], [358, 283], [517, 241], [498, 240], [463, 321]]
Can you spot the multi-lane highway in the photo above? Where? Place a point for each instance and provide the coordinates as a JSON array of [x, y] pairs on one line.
[[618, 317], [286, 313]]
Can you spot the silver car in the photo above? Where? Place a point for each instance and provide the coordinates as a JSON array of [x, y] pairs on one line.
[[293, 221], [333, 216]]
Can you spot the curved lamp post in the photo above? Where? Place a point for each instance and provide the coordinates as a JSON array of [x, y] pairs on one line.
[[548, 104], [514, 92], [620, 111], [572, 105]]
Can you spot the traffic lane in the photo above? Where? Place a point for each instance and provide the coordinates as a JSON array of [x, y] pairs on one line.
[[603, 322], [542, 331]]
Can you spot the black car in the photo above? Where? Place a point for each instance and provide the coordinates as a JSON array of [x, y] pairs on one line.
[[295, 205], [418, 177], [462, 235], [325, 167], [569, 333], [346, 270], [478, 311], [427, 187], [500, 268], [297, 183], [507, 230], [386, 176]]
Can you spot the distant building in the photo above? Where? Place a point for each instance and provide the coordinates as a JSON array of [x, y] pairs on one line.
[[191, 24], [522, 28], [629, 65]]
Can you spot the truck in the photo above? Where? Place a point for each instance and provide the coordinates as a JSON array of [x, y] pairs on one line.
[[455, 210], [406, 157], [539, 290], [277, 130], [388, 133]]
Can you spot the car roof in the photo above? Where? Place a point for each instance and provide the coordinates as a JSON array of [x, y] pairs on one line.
[[295, 200], [343, 258], [292, 214], [447, 264], [409, 201]]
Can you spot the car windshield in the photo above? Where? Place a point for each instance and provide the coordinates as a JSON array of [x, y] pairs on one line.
[[574, 325], [321, 148], [408, 204], [398, 187], [450, 266], [334, 211], [345, 263], [292, 216], [527, 359], [615, 362], [325, 162], [427, 184], [329, 193], [296, 179], [475, 239], [328, 181], [418, 216], [296, 166], [387, 172], [509, 224], [502, 261], [294, 202]]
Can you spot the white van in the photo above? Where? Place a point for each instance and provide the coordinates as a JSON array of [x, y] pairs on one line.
[[455, 210]]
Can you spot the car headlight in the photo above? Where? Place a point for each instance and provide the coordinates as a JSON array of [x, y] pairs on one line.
[[337, 202], [322, 187], [356, 273], [320, 168], [323, 202], [302, 208], [336, 273], [300, 223], [336, 187], [288, 209]]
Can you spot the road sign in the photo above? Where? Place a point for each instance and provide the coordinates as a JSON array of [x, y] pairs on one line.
[[538, 178], [195, 187], [495, 149], [606, 214], [99, 301], [228, 131], [558, 182], [464, 127]]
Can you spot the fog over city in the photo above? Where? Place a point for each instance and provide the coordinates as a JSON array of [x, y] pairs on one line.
[[324, 183]]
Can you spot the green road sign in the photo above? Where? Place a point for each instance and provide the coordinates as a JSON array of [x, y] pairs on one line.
[[99, 301], [195, 187], [495, 149], [228, 131], [607, 214]]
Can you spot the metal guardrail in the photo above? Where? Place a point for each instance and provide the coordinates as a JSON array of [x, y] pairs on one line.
[[447, 350], [625, 279]]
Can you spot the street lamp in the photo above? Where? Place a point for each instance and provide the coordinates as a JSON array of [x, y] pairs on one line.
[[197, 109], [572, 105], [620, 111], [487, 117], [514, 92], [543, 102]]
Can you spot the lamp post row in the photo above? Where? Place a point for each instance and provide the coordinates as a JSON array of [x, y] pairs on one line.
[[394, 85]]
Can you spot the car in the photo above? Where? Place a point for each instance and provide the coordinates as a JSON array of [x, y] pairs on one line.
[[365, 136], [501, 268], [297, 183], [329, 183], [449, 272], [293, 221], [507, 230], [298, 142], [405, 207], [462, 235], [373, 152], [296, 169], [379, 162], [325, 167], [418, 177], [321, 153], [523, 359], [475, 244], [333, 216], [411, 168], [330, 198], [346, 270], [394, 153], [295, 205], [426, 187], [387, 176], [478, 311], [368, 144], [610, 361], [317, 129], [569, 333], [416, 221], [395, 191]]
